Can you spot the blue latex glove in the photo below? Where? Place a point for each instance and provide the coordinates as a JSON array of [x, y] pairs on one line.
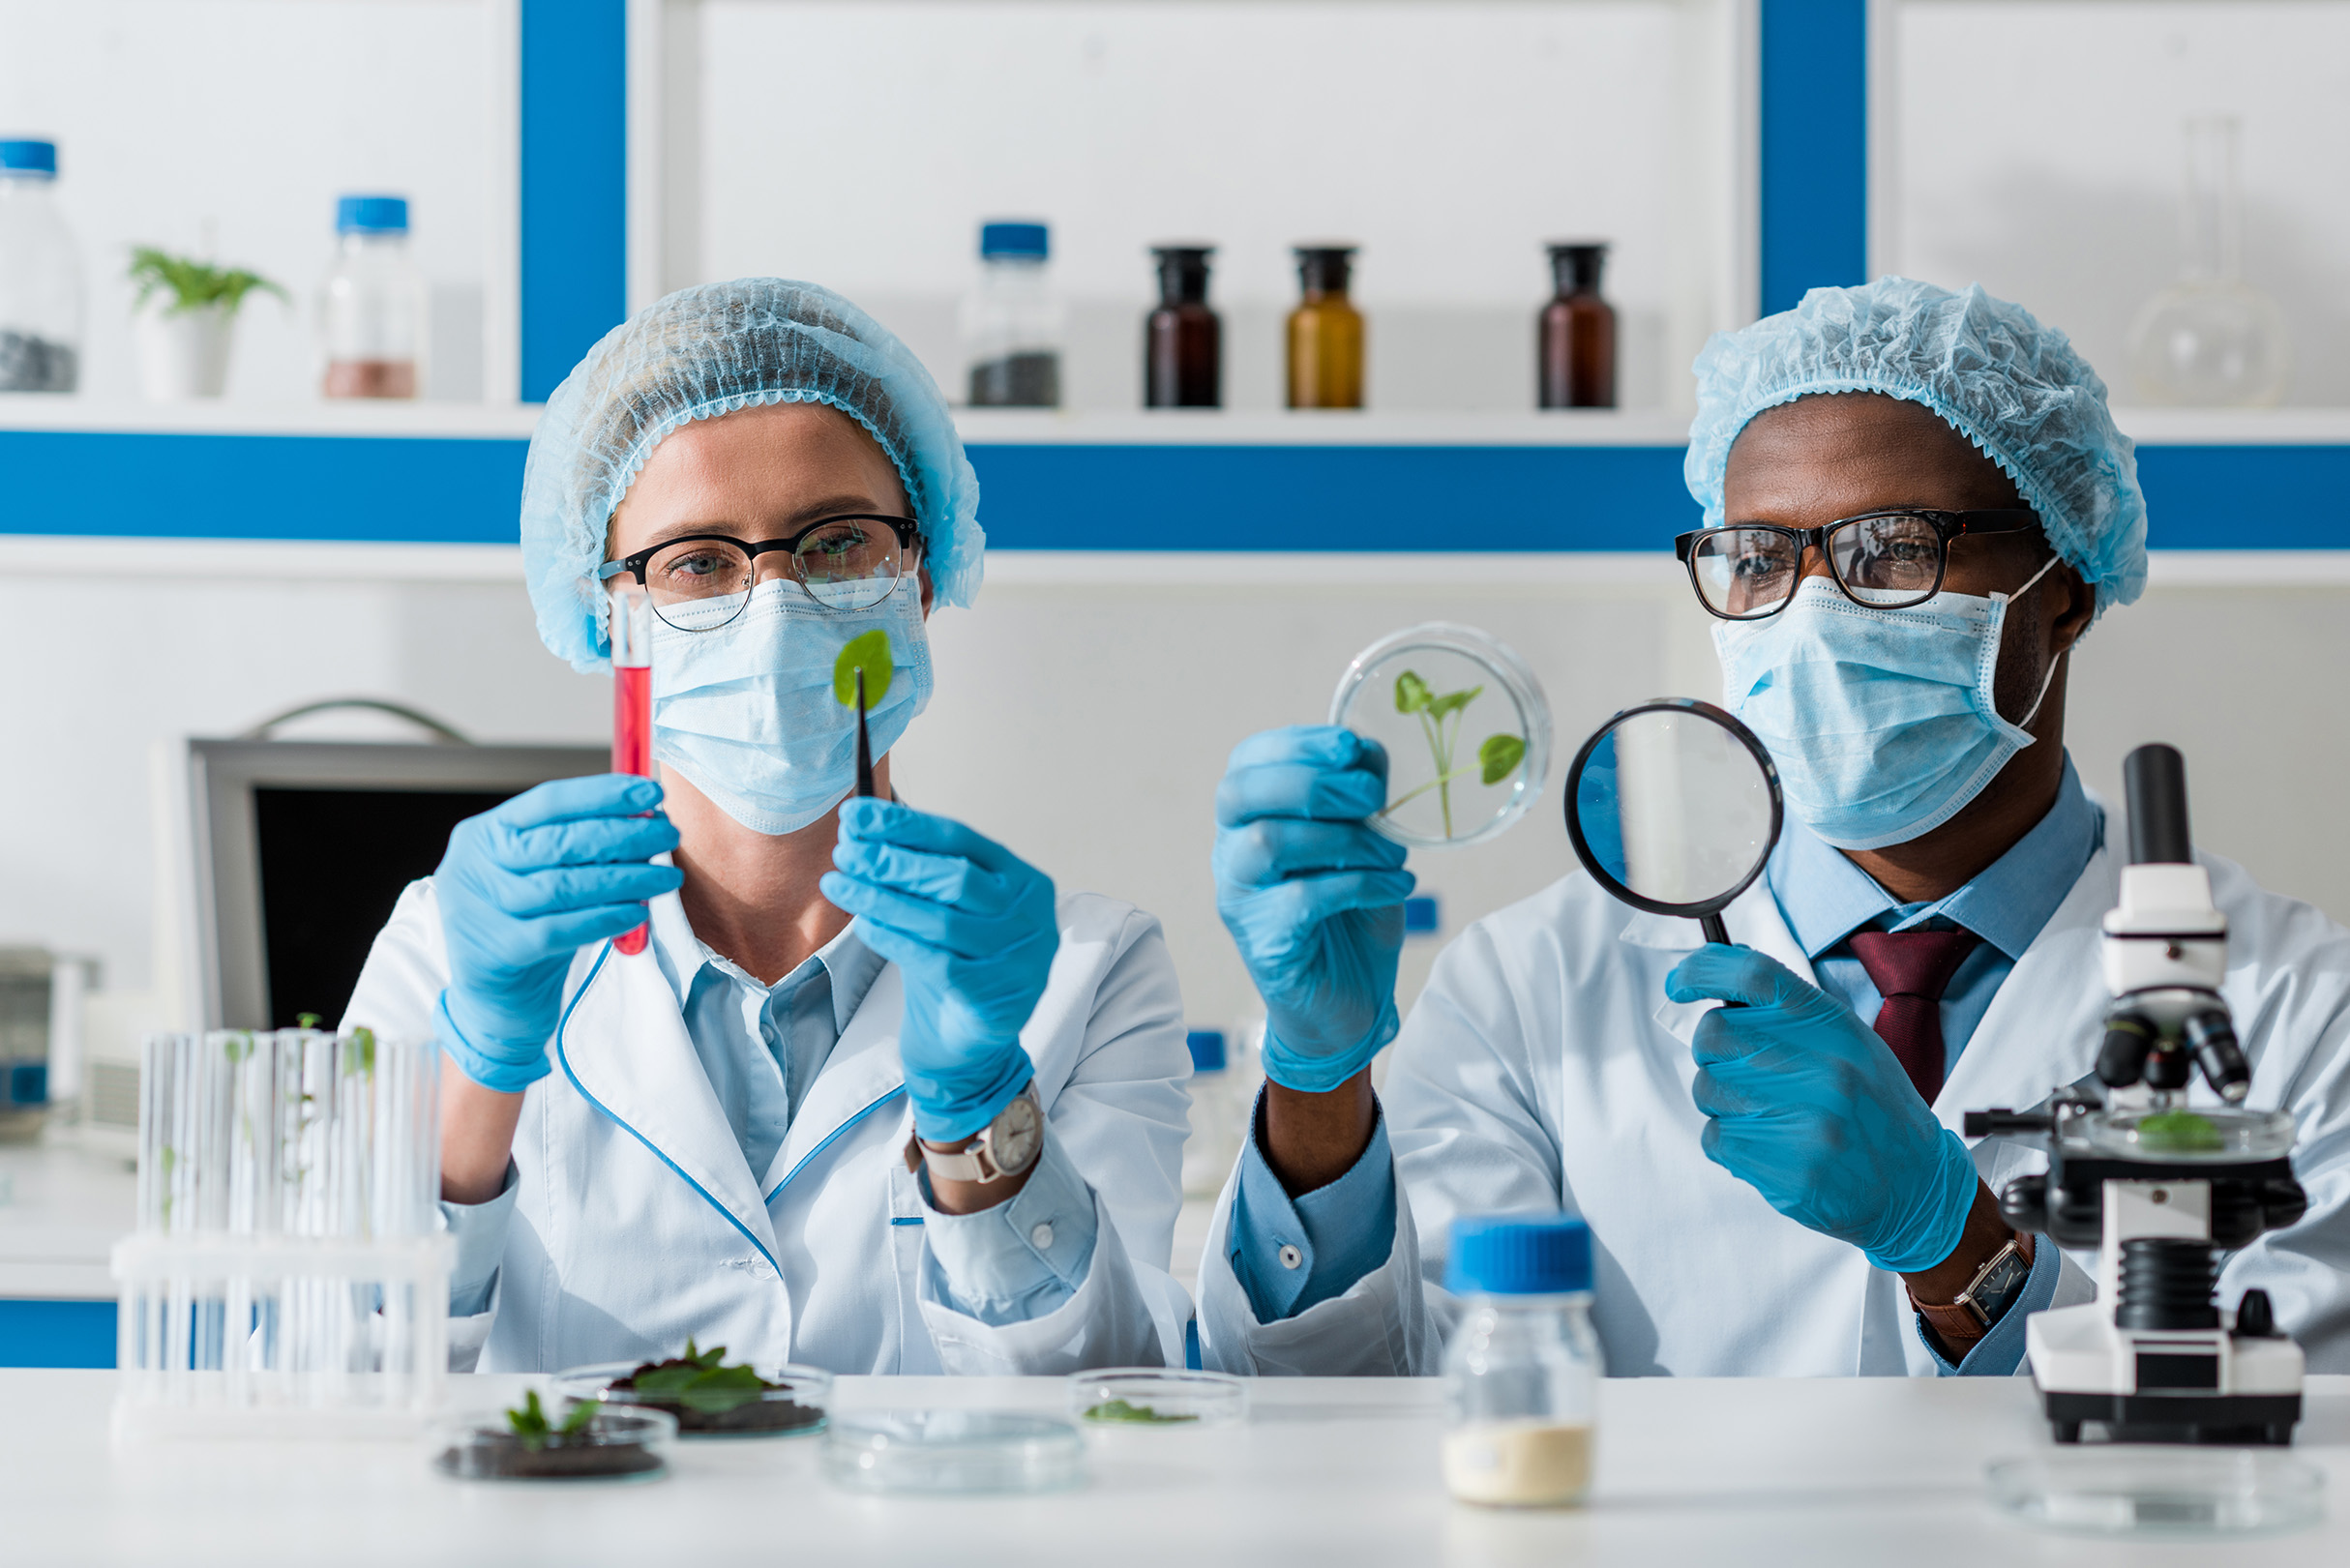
[[1314, 897], [524, 886], [1810, 1108], [973, 927]]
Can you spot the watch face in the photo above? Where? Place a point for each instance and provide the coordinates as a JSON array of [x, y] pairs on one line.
[[1999, 1283], [1016, 1135]]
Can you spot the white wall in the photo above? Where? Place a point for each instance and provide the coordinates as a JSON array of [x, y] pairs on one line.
[[2035, 148], [255, 116], [1099, 767], [861, 144]]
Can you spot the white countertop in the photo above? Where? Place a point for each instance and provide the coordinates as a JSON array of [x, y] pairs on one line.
[[1722, 1473], [65, 1208]]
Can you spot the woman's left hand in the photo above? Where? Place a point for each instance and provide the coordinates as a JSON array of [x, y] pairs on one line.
[[973, 927]]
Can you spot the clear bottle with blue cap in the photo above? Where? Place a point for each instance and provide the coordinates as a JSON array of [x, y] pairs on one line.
[[371, 310], [40, 275], [1522, 1368], [1013, 322]]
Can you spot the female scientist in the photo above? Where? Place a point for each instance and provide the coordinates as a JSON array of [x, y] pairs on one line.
[[1771, 1190], [873, 1097]]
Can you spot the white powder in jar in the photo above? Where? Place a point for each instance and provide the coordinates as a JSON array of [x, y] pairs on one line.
[[1519, 1463]]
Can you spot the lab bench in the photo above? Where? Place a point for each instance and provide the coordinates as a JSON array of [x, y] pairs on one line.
[[1819, 1471]]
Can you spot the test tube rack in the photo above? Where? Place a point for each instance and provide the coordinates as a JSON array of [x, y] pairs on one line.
[[287, 1278]]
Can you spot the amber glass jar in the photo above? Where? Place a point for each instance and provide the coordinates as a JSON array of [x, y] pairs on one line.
[[1578, 333], [1326, 332], [1182, 342]]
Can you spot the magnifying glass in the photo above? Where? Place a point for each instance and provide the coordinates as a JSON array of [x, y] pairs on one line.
[[1674, 806]]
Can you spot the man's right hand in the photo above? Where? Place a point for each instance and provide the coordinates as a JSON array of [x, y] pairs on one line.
[[524, 886], [1314, 898]]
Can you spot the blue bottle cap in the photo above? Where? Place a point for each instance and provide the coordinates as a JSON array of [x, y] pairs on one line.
[[372, 215], [29, 158], [1519, 1254], [1015, 240], [1206, 1050]]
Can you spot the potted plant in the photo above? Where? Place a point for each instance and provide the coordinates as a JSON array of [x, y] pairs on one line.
[[185, 313]]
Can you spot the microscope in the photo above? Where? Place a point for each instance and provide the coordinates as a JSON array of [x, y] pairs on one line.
[[2160, 1189]]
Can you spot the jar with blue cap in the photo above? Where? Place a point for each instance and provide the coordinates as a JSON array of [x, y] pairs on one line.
[[40, 275], [371, 310], [1012, 322], [1522, 1368]]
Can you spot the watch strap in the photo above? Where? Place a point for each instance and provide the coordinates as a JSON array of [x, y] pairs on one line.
[[974, 1162]]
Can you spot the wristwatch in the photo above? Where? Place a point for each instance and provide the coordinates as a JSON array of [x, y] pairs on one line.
[[1005, 1147], [1986, 1298]]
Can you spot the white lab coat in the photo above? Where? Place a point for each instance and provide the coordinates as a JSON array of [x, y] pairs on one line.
[[638, 1222], [1544, 1067]]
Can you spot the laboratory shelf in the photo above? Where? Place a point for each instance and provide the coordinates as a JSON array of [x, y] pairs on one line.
[[1163, 482]]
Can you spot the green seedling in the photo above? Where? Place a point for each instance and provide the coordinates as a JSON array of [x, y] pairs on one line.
[[193, 284], [361, 1056], [2180, 1132], [307, 1020], [531, 1426], [1138, 1415], [868, 651], [1440, 715], [699, 1381]]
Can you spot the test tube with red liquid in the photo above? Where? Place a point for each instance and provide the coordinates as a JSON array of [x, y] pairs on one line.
[[633, 704]]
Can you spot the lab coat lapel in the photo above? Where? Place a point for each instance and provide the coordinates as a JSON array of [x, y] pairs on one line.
[[2042, 1028], [1753, 919], [863, 1071], [624, 1044]]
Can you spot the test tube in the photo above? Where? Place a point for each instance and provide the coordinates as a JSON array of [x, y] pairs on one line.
[[633, 703]]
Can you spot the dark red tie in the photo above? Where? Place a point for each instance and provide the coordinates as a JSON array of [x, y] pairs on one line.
[[1911, 969]]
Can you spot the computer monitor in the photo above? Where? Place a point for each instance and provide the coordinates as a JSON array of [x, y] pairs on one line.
[[296, 851]]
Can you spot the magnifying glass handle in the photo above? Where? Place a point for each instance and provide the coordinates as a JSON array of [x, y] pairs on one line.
[[1715, 931]]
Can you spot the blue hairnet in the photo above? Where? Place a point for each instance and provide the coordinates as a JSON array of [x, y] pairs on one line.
[[2010, 385], [707, 351]]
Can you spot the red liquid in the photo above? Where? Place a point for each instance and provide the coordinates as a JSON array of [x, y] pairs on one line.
[[632, 750]]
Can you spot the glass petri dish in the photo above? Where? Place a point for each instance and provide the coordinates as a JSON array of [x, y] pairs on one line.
[[952, 1451], [1466, 728], [2183, 1134], [792, 1405], [617, 1445], [2129, 1489], [1150, 1398]]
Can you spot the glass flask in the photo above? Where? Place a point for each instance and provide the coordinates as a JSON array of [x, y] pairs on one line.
[[1182, 342], [1326, 332], [371, 308], [1012, 322], [2210, 340], [1578, 333], [1522, 1368], [40, 275]]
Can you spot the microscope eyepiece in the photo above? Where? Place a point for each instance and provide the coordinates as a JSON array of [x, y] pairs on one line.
[[2121, 1058]]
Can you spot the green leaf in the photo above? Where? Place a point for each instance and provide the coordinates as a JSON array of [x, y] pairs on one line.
[[306, 1021], [581, 1417], [1498, 757], [361, 1057], [195, 286], [529, 1422], [868, 651], [1411, 693], [1140, 1414], [2180, 1132], [1453, 701]]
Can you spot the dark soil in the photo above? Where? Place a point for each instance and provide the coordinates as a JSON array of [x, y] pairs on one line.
[[753, 1415], [502, 1458]]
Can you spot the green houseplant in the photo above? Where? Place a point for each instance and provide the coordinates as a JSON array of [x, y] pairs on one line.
[[185, 314]]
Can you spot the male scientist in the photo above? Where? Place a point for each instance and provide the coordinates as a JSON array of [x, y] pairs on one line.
[[1916, 504]]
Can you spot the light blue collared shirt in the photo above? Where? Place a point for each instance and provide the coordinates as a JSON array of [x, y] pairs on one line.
[[1289, 1253], [762, 1046]]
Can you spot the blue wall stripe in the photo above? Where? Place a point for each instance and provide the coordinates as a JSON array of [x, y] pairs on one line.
[[389, 489], [1815, 147], [574, 183], [261, 487], [57, 1333]]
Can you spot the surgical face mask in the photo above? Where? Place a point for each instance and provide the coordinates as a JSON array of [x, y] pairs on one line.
[[747, 712], [1882, 722]]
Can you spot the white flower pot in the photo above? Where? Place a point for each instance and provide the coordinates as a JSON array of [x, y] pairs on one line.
[[183, 354]]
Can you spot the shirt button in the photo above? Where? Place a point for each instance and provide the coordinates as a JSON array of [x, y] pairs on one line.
[[1291, 1256], [1041, 1237]]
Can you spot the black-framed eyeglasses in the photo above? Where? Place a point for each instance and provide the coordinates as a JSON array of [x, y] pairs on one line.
[[1886, 560], [701, 582]]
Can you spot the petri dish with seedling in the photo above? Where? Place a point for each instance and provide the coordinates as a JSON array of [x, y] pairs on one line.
[[1466, 726], [708, 1394]]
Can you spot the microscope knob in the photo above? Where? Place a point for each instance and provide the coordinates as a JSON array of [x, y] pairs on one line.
[[2282, 1203], [2024, 1204], [2255, 1318]]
